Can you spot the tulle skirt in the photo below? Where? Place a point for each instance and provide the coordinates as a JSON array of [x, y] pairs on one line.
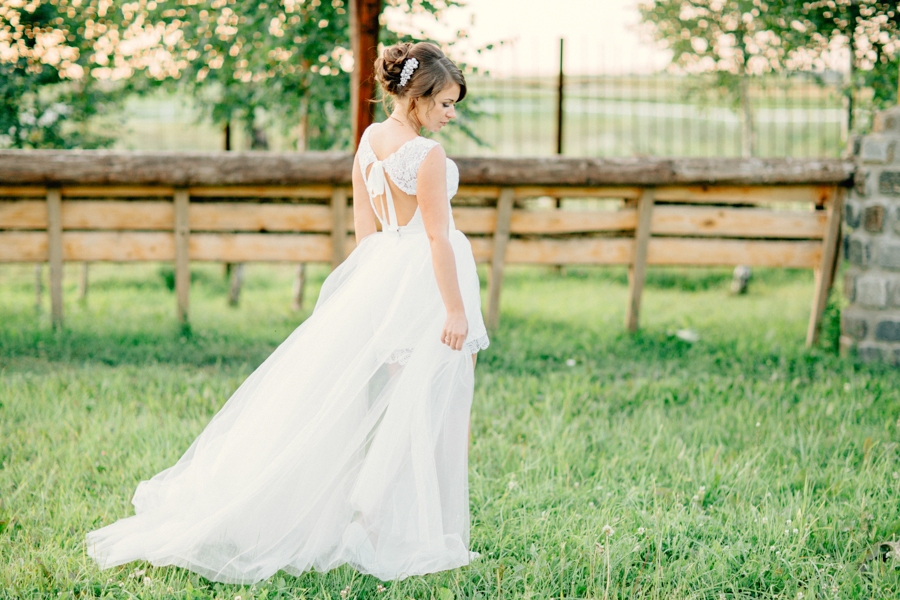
[[348, 445]]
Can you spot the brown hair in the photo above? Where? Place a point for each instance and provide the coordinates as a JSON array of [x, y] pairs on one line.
[[434, 73]]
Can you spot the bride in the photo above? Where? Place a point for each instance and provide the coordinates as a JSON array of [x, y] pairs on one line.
[[348, 445]]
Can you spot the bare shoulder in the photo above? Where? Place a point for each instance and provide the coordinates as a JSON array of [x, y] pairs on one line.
[[434, 161]]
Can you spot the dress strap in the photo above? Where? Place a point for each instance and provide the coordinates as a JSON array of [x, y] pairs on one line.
[[377, 185]]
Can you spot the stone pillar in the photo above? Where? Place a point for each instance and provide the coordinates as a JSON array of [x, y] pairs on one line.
[[870, 325]]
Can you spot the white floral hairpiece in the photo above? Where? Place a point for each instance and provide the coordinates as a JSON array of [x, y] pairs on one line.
[[408, 67]]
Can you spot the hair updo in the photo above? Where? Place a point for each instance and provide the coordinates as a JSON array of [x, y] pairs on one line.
[[434, 73]]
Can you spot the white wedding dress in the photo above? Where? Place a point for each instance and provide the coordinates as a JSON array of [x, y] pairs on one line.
[[348, 445]]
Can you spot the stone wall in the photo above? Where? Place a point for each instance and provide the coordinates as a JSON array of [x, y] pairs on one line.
[[870, 325]]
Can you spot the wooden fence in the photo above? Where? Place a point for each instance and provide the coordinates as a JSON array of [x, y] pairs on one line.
[[246, 207]]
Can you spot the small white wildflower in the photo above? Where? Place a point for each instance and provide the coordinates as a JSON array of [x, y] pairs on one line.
[[591, 504], [796, 530], [600, 548], [380, 588], [847, 387], [571, 362], [543, 515], [576, 484], [777, 552], [121, 584], [345, 592], [765, 519], [799, 594], [788, 522], [641, 530], [696, 498], [896, 475], [598, 487], [608, 531], [109, 581], [512, 484], [148, 581], [237, 597]]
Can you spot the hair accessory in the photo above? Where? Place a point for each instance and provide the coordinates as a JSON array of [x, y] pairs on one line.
[[408, 67]]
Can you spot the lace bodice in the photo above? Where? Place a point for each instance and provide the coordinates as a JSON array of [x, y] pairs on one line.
[[403, 165]]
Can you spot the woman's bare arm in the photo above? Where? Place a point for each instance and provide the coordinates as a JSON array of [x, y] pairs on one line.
[[431, 193], [363, 215]]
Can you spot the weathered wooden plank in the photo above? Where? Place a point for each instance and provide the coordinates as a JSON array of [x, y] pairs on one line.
[[117, 191], [28, 191], [501, 237], [118, 246], [577, 192], [478, 191], [737, 222], [23, 246], [138, 215], [246, 216], [482, 220], [249, 247], [637, 270], [182, 252], [23, 214], [718, 252], [55, 253], [263, 191], [574, 251], [482, 248], [745, 194], [339, 226], [215, 169], [825, 270]]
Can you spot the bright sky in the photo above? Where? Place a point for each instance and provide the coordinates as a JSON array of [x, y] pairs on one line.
[[601, 35]]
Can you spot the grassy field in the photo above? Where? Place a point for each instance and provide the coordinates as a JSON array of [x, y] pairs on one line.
[[602, 464]]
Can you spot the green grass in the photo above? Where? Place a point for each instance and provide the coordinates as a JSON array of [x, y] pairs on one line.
[[739, 466]]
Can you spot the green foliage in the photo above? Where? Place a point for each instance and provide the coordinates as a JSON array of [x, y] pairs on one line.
[[741, 465], [736, 38], [259, 63], [48, 92]]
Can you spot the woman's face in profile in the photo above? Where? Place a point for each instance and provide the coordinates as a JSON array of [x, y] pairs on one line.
[[441, 110]]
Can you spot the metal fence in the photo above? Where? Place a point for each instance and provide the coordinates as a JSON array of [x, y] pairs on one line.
[[631, 109]]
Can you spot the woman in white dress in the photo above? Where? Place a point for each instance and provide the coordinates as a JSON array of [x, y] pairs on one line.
[[349, 444]]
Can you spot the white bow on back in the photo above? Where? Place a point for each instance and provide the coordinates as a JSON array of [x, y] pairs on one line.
[[377, 185]]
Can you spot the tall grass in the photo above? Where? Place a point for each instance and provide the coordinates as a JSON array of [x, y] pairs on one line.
[[602, 464]]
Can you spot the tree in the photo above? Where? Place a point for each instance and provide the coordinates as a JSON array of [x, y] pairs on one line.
[[64, 62], [49, 92], [731, 39], [869, 29], [737, 39]]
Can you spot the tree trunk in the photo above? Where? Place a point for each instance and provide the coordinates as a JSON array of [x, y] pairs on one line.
[[38, 286], [748, 131], [237, 280], [364, 44], [299, 284], [83, 283]]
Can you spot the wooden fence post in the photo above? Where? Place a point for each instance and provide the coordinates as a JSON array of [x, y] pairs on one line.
[[501, 237], [55, 253], [182, 253], [824, 273], [637, 270], [339, 226]]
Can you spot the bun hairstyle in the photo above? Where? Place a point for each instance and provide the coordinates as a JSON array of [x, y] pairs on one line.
[[434, 73]]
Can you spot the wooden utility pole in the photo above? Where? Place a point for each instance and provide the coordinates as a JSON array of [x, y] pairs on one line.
[[364, 44]]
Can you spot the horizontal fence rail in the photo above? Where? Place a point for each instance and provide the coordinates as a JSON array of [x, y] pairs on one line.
[[248, 207]]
